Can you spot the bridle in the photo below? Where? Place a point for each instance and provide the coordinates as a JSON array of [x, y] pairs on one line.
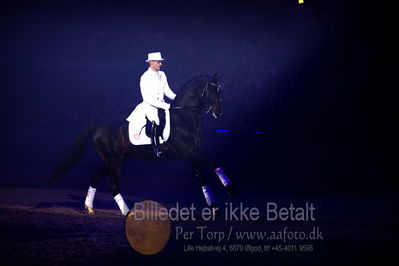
[[204, 93]]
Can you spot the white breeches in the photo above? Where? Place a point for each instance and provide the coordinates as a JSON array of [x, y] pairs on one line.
[[152, 113], [142, 111]]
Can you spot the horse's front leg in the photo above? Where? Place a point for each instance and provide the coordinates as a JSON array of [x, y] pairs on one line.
[[225, 181], [197, 162], [210, 200], [222, 176]]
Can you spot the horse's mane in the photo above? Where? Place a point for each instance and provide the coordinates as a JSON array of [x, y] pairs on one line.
[[192, 79], [187, 86]]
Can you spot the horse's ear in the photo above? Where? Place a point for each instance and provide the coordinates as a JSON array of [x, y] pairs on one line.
[[214, 76], [220, 77]]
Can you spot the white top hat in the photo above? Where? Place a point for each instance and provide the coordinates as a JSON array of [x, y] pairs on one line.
[[154, 57]]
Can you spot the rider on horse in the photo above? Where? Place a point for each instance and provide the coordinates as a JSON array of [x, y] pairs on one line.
[[200, 93], [153, 87]]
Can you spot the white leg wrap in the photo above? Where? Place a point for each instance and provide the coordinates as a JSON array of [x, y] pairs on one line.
[[90, 197], [222, 176], [121, 203], [208, 195]]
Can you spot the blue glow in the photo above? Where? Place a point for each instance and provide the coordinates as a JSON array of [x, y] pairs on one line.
[[223, 131], [258, 132]]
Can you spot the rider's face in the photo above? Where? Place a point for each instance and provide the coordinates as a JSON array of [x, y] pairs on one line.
[[155, 65]]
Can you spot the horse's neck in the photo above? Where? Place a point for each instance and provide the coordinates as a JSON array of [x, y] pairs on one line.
[[187, 109], [187, 99], [190, 94]]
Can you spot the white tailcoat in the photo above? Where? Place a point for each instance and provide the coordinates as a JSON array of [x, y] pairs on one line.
[[153, 86]]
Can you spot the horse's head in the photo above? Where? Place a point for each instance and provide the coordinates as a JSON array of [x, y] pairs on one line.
[[201, 92], [210, 96]]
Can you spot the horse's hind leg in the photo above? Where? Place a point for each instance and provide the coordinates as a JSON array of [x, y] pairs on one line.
[[114, 171], [96, 178], [110, 148]]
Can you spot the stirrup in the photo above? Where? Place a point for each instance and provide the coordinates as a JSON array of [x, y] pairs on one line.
[[157, 152]]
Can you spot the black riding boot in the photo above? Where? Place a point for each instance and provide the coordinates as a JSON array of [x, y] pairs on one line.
[[155, 140]]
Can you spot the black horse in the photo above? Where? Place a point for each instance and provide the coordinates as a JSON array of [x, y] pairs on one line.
[[201, 93]]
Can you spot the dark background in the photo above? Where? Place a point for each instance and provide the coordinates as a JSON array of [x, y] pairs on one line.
[[305, 94], [310, 74]]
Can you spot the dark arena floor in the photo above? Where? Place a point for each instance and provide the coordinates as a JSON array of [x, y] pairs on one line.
[[44, 224], [50, 227]]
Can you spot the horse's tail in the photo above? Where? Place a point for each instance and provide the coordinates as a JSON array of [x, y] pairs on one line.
[[75, 151]]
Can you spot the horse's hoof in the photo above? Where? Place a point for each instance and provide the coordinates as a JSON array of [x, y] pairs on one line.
[[130, 215], [89, 210], [231, 190]]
